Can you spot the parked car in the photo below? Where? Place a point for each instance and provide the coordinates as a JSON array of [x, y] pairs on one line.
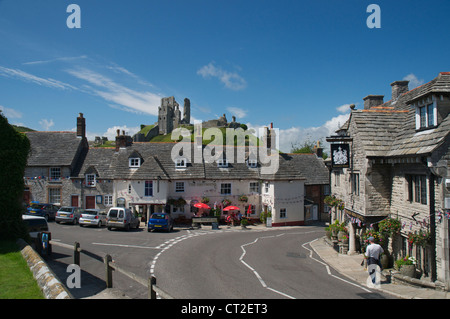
[[48, 211], [68, 214], [92, 217], [120, 217], [160, 221], [35, 224]]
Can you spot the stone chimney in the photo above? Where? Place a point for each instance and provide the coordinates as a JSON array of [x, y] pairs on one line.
[[81, 126], [123, 141], [318, 150], [372, 100], [269, 137], [398, 88]]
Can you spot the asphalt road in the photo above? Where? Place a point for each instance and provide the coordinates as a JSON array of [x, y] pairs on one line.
[[206, 264]]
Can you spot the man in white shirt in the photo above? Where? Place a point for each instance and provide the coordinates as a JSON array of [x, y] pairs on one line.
[[373, 253]]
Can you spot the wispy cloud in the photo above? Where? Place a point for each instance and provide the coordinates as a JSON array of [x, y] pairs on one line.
[[231, 80], [240, 113], [27, 77], [46, 124], [61, 59], [10, 113], [345, 108], [119, 95], [413, 81]]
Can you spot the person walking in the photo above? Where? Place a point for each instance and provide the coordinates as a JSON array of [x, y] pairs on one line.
[[373, 253]]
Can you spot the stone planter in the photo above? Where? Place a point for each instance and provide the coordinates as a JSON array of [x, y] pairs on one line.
[[384, 261], [408, 270]]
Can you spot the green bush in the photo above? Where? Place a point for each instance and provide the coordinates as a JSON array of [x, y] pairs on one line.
[[14, 149]]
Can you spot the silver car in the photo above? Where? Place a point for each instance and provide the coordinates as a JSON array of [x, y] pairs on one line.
[[68, 214], [120, 217], [92, 217]]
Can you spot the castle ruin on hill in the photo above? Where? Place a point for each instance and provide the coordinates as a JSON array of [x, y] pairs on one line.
[[169, 118]]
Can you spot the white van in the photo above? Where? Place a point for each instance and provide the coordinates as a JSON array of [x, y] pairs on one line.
[[121, 217]]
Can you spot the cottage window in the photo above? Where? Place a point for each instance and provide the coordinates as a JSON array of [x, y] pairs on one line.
[[283, 213], [55, 173], [254, 187], [179, 187], [222, 163], [134, 162], [108, 199], [252, 163], [425, 116], [180, 163], [54, 195], [90, 180], [417, 188], [225, 189], [148, 188], [355, 183]]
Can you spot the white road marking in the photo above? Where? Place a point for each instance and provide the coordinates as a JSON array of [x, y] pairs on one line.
[[127, 246], [328, 268]]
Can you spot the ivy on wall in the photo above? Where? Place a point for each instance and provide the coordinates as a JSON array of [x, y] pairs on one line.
[[14, 149]]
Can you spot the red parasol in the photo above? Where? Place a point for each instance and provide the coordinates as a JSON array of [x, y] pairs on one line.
[[228, 208], [202, 205]]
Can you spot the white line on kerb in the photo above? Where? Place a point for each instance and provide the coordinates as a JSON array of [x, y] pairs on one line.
[[328, 268], [128, 246]]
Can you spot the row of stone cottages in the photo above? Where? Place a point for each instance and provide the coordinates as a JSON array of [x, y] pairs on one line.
[[63, 169], [399, 167]]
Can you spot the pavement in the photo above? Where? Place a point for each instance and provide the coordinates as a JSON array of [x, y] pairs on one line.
[[350, 267]]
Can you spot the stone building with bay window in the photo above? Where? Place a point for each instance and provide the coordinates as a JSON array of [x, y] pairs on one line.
[[399, 166]]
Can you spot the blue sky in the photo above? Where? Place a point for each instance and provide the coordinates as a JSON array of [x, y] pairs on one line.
[[294, 63]]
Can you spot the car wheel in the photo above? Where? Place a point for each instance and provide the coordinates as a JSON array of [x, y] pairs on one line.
[[109, 228]]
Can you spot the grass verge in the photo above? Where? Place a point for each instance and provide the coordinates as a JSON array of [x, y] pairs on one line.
[[16, 278]]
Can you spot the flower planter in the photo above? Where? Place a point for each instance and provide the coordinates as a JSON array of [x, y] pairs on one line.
[[408, 270]]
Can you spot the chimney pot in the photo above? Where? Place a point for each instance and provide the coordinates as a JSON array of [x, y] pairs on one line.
[[372, 100], [398, 88], [81, 126]]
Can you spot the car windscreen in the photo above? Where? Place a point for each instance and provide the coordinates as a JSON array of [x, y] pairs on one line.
[[66, 209], [90, 212], [116, 213], [159, 216], [37, 206]]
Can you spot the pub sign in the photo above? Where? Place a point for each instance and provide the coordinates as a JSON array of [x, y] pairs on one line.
[[340, 155]]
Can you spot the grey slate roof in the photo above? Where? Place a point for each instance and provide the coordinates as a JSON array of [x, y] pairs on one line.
[[389, 129], [53, 148], [158, 163]]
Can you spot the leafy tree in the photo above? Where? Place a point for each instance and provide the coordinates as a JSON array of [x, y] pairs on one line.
[[306, 148], [14, 149]]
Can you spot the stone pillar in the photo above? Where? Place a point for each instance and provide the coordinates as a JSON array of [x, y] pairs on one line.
[[351, 239]]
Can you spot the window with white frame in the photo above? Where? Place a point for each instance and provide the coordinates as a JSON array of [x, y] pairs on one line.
[[108, 199], [225, 189], [134, 162], [252, 163], [355, 183], [55, 173], [425, 114], [179, 187], [254, 187], [91, 180], [222, 163], [266, 187], [283, 213], [180, 163], [54, 195]]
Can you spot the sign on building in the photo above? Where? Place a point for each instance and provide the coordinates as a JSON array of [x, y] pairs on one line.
[[340, 155]]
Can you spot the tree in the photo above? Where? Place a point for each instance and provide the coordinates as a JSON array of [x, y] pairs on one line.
[[307, 147], [14, 149]]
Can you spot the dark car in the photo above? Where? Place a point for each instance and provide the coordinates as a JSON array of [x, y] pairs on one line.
[[35, 224], [48, 211], [162, 221]]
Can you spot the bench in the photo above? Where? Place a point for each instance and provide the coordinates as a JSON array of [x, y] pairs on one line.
[[204, 220]]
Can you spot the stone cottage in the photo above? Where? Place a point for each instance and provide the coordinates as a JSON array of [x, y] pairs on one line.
[[399, 166]]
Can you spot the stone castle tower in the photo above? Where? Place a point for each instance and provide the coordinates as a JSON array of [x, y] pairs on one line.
[[169, 114]]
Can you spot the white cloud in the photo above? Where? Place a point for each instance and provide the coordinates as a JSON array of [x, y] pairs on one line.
[[413, 81], [63, 59], [118, 94], [22, 75], [345, 108], [46, 124], [10, 113], [111, 132], [238, 112], [231, 80], [298, 135]]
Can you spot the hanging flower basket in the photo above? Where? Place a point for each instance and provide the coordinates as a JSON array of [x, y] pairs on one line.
[[205, 200], [389, 227], [243, 198], [226, 202]]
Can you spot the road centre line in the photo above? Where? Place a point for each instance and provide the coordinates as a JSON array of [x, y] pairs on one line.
[[127, 246]]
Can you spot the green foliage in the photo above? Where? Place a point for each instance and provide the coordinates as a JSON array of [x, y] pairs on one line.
[[306, 148], [389, 226], [405, 261], [14, 149]]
